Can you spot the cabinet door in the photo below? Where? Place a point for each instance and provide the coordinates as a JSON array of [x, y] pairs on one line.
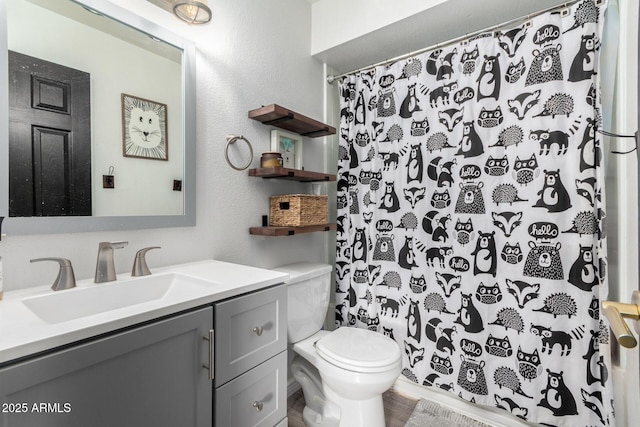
[[249, 330], [148, 376]]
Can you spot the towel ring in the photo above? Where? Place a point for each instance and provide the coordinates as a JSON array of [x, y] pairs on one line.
[[231, 139]]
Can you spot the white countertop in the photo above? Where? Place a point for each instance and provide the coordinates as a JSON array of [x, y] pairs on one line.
[[22, 333]]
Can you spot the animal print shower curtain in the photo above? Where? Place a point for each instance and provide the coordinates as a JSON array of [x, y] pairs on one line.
[[471, 217]]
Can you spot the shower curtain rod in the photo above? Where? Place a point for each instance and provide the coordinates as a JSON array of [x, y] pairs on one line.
[[526, 18]]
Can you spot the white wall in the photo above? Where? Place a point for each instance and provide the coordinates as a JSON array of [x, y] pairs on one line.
[[383, 29], [336, 21], [622, 208], [252, 53]]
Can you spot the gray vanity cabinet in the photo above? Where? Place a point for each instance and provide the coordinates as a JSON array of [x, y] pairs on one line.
[[151, 375], [251, 359]]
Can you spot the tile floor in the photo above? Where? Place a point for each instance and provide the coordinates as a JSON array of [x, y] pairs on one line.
[[397, 408]]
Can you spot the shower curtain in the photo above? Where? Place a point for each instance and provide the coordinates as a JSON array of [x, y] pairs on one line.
[[471, 217]]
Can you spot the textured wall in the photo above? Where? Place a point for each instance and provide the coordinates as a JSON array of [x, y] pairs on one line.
[[252, 53]]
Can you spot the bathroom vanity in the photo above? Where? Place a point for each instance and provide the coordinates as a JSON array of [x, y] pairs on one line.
[[209, 350]]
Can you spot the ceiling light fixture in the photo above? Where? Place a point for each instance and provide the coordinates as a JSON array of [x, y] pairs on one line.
[[192, 11]]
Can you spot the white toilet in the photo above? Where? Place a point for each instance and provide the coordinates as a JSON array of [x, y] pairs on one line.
[[342, 373]]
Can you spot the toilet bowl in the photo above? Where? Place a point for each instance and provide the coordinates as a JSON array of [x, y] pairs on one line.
[[355, 367], [343, 373]]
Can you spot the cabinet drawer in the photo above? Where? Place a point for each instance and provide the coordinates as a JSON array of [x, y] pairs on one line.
[[256, 398], [249, 330]]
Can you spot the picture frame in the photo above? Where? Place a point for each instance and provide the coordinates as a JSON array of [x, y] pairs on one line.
[[290, 146], [144, 128]]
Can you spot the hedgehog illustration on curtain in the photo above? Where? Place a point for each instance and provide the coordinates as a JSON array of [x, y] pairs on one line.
[[471, 210]]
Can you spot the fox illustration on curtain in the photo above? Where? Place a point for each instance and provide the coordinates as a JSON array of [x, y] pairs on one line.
[[471, 217]]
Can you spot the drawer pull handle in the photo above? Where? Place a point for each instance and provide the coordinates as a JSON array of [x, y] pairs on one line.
[[258, 405], [258, 331], [209, 367]]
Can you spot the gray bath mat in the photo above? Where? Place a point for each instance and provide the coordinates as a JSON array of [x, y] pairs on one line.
[[431, 414]]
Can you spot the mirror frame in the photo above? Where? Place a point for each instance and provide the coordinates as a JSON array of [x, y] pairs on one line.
[[74, 224]]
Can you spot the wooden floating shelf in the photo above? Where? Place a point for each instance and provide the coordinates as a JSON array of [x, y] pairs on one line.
[[291, 174], [286, 119], [289, 231]]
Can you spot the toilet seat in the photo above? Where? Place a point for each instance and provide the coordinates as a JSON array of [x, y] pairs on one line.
[[358, 350]]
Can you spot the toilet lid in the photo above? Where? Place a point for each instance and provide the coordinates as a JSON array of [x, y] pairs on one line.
[[358, 350]]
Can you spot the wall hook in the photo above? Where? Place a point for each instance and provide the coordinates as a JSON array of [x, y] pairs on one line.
[[108, 181]]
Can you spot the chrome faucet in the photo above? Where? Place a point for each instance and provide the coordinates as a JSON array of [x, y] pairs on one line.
[[105, 266], [66, 279]]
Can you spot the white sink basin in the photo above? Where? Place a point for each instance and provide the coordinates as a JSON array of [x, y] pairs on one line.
[[79, 302]]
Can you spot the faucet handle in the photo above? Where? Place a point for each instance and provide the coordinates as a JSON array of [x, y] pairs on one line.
[[66, 279], [140, 267]]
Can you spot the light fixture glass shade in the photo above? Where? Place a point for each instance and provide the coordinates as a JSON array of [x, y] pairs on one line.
[[192, 11]]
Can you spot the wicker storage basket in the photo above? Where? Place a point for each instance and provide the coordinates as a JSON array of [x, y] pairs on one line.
[[298, 210]]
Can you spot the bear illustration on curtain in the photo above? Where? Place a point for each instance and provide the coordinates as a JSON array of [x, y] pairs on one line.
[[470, 206]]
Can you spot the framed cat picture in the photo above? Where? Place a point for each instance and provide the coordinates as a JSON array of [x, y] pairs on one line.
[[144, 128], [290, 146]]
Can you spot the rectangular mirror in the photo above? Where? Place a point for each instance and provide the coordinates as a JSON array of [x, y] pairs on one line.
[[100, 117]]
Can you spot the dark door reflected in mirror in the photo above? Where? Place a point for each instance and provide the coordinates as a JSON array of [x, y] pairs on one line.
[[49, 138]]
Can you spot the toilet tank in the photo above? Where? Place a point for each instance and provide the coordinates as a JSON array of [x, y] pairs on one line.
[[308, 290]]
